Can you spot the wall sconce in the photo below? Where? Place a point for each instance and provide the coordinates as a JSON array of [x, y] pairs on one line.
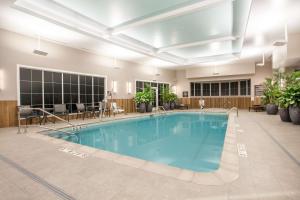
[[129, 87], [114, 86], [174, 89]]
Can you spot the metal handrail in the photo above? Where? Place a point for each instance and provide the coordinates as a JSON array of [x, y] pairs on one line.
[[74, 126], [234, 108]]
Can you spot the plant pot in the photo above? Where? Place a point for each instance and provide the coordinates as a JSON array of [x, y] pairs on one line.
[[142, 108], [166, 106], [284, 114], [295, 114], [271, 109], [172, 105], [149, 107]]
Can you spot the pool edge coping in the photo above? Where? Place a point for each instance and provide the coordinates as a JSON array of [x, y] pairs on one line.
[[227, 172]]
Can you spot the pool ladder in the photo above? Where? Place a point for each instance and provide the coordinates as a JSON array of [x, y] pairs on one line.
[[232, 109], [75, 127]]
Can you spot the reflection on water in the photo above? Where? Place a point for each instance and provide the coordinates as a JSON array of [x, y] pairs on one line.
[[187, 140]]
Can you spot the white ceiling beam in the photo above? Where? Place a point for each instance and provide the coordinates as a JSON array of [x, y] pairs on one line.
[[182, 10], [213, 58], [197, 43]]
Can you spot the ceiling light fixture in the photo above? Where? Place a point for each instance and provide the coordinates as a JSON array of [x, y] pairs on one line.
[[38, 51]]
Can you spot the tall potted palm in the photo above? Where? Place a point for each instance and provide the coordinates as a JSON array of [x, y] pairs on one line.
[[149, 92], [271, 94], [283, 103], [166, 98], [172, 99], [141, 100], [292, 93]]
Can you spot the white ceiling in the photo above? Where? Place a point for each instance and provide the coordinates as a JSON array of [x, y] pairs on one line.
[[170, 33]]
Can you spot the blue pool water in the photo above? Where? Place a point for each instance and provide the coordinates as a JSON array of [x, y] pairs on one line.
[[192, 141]]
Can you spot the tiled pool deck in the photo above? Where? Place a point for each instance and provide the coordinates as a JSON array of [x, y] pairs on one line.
[[29, 163]]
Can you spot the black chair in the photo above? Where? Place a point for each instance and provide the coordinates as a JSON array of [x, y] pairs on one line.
[[181, 106], [60, 110], [81, 110]]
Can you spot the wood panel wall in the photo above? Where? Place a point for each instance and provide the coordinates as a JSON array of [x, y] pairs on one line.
[[219, 102], [8, 113], [9, 118]]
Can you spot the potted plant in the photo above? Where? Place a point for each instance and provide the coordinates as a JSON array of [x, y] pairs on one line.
[[149, 93], [166, 98], [283, 103], [292, 94], [172, 99], [141, 100], [271, 95]]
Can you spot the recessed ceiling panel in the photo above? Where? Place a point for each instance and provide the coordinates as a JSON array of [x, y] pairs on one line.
[[196, 26], [211, 49], [115, 12]]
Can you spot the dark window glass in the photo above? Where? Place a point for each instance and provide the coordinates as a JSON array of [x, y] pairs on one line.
[[25, 86], [153, 84], [67, 78], [139, 86], [25, 99], [88, 89], [192, 89], [37, 75], [215, 89], [88, 80], [36, 87], [197, 89], [67, 98], [67, 88], [243, 88], [224, 89], [48, 77], [249, 87], [234, 88], [57, 88], [206, 89], [48, 88], [57, 77], [37, 99], [25, 74], [48, 98], [74, 79], [57, 98]]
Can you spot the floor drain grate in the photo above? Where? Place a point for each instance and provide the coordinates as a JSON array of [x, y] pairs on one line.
[[56, 190]]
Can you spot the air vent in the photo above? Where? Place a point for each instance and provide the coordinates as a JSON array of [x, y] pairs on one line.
[[279, 43], [39, 52]]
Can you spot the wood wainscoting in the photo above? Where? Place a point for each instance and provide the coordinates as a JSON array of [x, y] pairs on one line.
[[219, 102], [9, 118], [8, 113]]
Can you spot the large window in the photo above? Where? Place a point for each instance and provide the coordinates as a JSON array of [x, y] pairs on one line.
[[141, 85], [234, 88], [224, 88], [31, 87], [214, 89], [206, 89], [44, 88]]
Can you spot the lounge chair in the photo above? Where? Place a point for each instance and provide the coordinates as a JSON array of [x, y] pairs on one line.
[[116, 109], [256, 105], [103, 110], [27, 114], [60, 110], [81, 110], [181, 106]]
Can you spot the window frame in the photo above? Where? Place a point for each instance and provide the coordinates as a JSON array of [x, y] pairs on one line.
[[43, 69], [248, 88]]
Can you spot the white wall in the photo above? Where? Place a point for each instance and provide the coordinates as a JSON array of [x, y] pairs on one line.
[[260, 73], [17, 49]]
